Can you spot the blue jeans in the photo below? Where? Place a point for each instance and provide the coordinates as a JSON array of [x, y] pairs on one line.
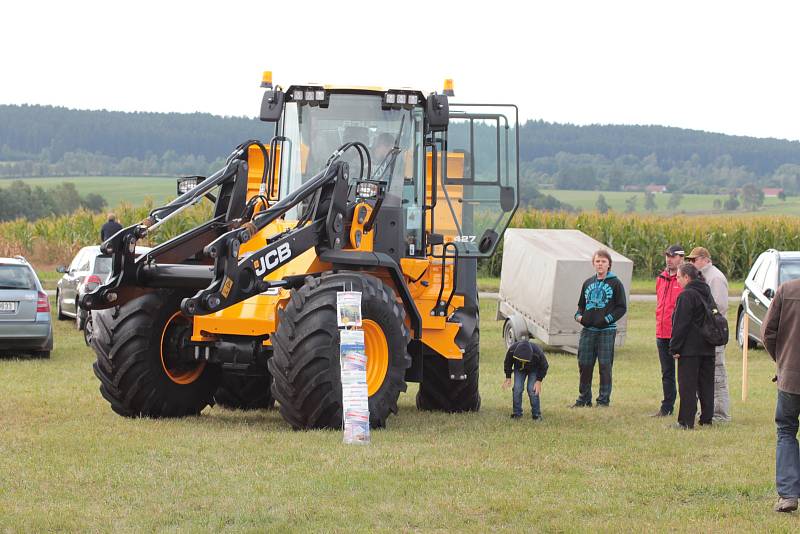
[[787, 454], [667, 375], [519, 385]]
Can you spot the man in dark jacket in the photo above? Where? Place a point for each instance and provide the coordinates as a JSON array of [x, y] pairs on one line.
[[528, 362], [667, 291], [781, 334], [110, 228], [602, 303], [695, 355]]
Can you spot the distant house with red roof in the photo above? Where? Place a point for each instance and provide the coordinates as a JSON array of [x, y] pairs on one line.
[[653, 188], [772, 192]]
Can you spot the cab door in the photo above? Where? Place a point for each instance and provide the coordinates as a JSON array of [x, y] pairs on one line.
[[478, 179]]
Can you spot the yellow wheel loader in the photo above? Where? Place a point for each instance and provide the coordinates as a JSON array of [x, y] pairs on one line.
[[389, 192]]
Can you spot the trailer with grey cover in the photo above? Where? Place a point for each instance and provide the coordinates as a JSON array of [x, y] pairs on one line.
[[540, 282]]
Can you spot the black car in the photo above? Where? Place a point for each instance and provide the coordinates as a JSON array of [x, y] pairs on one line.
[[771, 269]]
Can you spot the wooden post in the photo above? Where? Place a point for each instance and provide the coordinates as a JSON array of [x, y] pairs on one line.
[[745, 346]]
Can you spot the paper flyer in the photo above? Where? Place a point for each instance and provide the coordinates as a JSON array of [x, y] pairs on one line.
[[351, 351], [348, 308]]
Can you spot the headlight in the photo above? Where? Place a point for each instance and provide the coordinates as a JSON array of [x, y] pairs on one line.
[[310, 95], [297, 95], [319, 94], [390, 98], [187, 183], [367, 190], [413, 99]]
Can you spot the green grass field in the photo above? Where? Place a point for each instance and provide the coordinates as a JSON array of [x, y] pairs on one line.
[[698, 204], [115, 189], [68, 463]]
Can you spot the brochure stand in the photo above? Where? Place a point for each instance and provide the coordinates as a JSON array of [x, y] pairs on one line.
[[353, 363]]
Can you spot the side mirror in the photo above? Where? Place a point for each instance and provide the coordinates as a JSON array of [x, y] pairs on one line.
[[272, 106], [61, 269], [438, 111], [769, 293]]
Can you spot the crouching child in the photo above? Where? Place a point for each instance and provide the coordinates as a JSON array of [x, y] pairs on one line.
[[527, 361]]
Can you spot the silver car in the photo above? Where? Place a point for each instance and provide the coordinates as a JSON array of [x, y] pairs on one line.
[[770, 270], [25, 324], [88, 269]]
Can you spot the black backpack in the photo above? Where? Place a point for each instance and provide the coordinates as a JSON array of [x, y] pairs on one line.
[[715, 325]]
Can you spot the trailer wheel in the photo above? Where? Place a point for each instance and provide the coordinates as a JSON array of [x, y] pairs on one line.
[[305, 362], [142, 369], [437, 392], [245, 392]]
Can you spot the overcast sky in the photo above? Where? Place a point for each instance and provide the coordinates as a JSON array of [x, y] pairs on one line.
[[719, 66]]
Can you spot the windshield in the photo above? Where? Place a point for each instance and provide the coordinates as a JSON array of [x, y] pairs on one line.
[[392, 136], [789, 271], [16, 277]]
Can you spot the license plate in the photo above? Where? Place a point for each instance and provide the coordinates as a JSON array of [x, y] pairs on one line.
[[8, 307]]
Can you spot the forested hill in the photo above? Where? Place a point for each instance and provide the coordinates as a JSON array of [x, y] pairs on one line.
[[26, 131], [671, 146], [55, 141]]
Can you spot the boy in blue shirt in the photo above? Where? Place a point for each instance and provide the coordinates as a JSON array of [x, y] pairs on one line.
[[527, 361]]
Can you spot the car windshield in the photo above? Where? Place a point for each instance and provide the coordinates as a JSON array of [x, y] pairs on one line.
[[789, 271], [102, 265], [16, 277]]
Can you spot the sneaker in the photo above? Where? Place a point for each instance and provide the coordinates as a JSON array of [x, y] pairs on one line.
[[603, 405], [678, 426], [516, 415], [581, 405], [786, 504], [661, 413], [537, 418]]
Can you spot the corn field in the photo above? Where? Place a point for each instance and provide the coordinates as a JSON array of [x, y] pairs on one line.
[[734, 242], [55, 240]]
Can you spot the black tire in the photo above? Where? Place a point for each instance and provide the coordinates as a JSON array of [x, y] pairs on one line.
[[88, 328], [43, 354], [127, 340], [305, 362], [80, 319], [509, 336], [437, 392], [751, 344], [59, 315], [243, 392]]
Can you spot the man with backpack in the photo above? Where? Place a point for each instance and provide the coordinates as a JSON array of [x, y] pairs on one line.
[[528, 362], [701, 259]]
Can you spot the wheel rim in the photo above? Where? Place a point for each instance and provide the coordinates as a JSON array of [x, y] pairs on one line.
[[509, 335], [377, 349], [177, 371]]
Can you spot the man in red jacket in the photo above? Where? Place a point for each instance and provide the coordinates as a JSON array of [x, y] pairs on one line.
[[667, 291]]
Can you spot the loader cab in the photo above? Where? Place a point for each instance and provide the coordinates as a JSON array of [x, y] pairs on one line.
[[468, 197], [394, 137]]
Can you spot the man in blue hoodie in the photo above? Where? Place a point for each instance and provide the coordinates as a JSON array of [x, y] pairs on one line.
[[601, 304]]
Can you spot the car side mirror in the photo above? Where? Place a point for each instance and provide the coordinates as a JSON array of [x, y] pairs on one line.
[[769, 293], [61, 269]]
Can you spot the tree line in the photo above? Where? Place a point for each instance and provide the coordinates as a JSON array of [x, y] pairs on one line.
[[55, 141], [19, 200]]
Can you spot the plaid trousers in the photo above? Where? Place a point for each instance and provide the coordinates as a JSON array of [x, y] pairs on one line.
[[595, 345]]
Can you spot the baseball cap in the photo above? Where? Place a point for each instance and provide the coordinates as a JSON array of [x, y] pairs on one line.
[[675, 250], [698, 252]]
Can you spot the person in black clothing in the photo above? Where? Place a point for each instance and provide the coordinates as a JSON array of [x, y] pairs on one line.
[[601, 304], [110, 228], [695, 355], [528, 362]]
